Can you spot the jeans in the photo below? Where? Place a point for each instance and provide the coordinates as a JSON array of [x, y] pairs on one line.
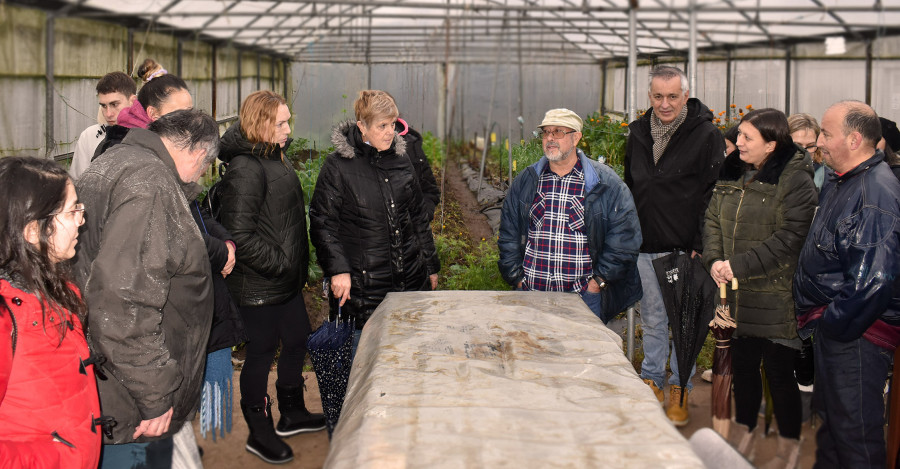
[[153, 455], [655, 326], [594, 301], [266, 326], [849, 398], [778, 360]]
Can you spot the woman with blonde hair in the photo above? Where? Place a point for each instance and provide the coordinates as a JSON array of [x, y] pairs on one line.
[[805, 132], [262, 205], [369, 220]]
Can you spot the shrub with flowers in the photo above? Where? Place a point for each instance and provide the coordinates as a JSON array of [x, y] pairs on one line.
[[724, 123]]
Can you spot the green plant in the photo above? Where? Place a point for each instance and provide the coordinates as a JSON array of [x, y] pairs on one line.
[[308, 173], [297, 150], [434, 149], [467, 268]]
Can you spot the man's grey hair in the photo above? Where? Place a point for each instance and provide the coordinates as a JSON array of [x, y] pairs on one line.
[[190, 129], [861, 118], [667, 72]]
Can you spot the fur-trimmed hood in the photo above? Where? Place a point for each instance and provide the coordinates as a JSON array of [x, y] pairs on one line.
[[348, 143], [733, 168]]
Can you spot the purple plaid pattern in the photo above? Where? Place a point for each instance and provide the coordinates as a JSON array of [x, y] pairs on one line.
[[556, 252]]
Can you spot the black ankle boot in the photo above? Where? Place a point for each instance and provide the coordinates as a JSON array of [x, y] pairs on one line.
[[263, 441], [294, 416]]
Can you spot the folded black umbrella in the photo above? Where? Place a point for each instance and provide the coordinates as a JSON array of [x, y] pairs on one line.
[[330, 348], [689, 294]]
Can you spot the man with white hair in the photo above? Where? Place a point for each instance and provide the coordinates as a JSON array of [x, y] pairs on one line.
[[672, 161], [569, 224]]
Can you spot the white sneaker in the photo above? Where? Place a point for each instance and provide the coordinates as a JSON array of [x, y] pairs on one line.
[[707, 376]]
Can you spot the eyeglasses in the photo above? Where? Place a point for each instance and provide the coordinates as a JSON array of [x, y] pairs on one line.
[[78, 210], [557, 134], [812, 147]]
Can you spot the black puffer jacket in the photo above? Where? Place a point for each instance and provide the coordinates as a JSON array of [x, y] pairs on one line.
[[262, 206], [429, 186], [367, 219]]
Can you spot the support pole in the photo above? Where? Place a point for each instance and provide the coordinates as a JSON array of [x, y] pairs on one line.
[[604, 67], [49, 68], [239, 78], [369, 56], [272, 61], [869, 60], [692, 50], [787, 81], [632, 64], [179, 58], [129, 47], [629, 340], [258, 70], [215, 77], [728, 91]]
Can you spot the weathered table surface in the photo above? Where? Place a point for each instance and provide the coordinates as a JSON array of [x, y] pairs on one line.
[[470, 379]]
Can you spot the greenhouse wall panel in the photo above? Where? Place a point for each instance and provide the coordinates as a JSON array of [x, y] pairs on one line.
[[22, 41], [886, 89], [759, 83], [834, 80], [160, 47], [22, 134], [70, 120], [83, 47]]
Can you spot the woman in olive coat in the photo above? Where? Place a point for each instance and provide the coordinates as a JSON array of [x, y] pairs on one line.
[[757, 220]]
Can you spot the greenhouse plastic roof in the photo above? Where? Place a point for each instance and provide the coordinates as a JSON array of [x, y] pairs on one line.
[[538, 31]]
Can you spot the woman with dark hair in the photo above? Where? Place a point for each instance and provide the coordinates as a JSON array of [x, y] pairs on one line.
[[48, 393], [261, 204], [161, 94], [758, 217], [369, 221]]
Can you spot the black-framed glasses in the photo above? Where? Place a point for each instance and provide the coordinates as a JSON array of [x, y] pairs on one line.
[[811, 148], [557, 134], [78, 210]]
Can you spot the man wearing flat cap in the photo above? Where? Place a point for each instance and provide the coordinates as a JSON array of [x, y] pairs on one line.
[[569, 224]]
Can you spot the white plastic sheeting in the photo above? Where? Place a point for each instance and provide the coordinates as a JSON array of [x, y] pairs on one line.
[[498, 379]]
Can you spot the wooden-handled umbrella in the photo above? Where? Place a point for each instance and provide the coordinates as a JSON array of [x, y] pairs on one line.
[[723, 326]]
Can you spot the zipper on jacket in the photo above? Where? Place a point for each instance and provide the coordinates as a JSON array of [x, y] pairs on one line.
[[733, 237]]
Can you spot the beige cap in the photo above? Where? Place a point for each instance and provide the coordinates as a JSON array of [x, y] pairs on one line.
[[563, 118]]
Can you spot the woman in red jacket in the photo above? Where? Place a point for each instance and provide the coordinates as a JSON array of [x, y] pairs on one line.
[[48, 393]]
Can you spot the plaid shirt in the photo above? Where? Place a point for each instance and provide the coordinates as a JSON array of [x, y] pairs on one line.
[[556, 252]]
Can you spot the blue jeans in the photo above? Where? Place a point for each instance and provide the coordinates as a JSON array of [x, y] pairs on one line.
[[849, 398], [153, 455], [655, 326], [594, 301]]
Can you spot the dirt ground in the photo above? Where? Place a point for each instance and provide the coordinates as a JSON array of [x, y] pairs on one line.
[[310, 450]]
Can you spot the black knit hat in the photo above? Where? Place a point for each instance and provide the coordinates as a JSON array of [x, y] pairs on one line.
[[890, 133]]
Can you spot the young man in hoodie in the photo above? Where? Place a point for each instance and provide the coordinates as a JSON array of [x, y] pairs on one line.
[[115, 91], [672, 161]]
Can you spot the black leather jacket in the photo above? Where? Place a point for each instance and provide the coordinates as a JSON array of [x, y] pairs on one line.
[[262, 206], [846, 282]]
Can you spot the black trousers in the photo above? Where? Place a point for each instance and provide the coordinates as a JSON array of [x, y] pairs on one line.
[[266, 326], [778, 361]]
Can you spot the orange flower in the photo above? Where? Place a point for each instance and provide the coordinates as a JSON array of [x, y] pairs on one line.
[[712, 111], [623, 124], [733, 106], [749, 106], [722, 113], [718, 120]]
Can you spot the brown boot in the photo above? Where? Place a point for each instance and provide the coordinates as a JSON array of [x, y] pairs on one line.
[[656, 390], [678, 408], [787, 455], [742, 439]]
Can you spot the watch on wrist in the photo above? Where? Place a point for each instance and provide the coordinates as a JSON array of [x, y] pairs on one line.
[[600, 282]]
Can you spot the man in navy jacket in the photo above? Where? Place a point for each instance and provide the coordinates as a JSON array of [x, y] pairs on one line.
[[846, 289]]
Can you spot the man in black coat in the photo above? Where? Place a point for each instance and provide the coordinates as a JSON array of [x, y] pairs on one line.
[[672, 160]]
